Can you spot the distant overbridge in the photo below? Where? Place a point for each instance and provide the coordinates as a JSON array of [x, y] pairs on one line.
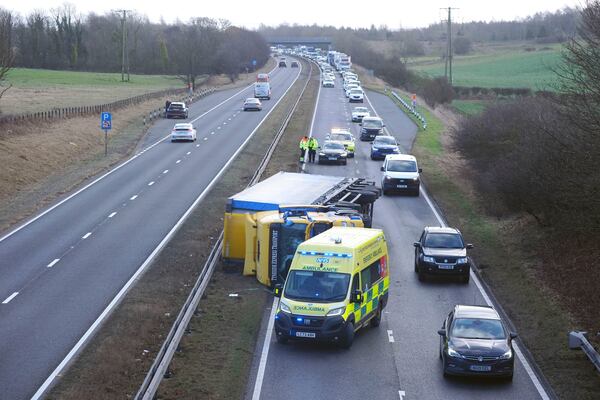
[[291, 41]]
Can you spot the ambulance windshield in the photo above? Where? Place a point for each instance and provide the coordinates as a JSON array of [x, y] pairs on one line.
[[316, 286]]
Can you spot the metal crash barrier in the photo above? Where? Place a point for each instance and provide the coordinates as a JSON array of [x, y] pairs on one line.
[[579, 340]]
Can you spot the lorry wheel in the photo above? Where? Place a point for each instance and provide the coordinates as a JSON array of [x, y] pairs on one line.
[[348, 336], [376, 320]]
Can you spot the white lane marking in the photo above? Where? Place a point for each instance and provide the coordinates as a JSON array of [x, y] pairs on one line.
[[218, 127], [197, 145], [116, 300], [87, 235], [177, 162], [53, 263], [265, 352], [188, 153], [401, 393], [150, 183], [120, 166], [532, 375], [390, 336], [357, 171], [224, 123], [228, 119], [212, 133], [165, 171], [314, 117], [112, 214], [133, 197], [9, 298], [205, 138]]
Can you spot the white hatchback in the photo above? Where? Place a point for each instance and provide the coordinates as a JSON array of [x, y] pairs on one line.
[[184, 131]]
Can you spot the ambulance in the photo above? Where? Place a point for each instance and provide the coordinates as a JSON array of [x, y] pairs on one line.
[[337, 283]]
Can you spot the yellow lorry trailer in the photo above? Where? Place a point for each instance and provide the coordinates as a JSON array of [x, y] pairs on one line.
[[264, 224]]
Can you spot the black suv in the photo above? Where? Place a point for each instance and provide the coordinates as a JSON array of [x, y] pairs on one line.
[[177, 110], [442, 251]]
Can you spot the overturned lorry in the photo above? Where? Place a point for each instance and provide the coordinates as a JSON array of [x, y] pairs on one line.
[[264, 224]]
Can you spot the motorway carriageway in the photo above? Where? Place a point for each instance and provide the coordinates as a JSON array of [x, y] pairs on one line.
[[398, 360], [64, 270]]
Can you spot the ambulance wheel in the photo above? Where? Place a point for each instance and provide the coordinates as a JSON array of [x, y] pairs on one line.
[[376, 320], [348, 336]]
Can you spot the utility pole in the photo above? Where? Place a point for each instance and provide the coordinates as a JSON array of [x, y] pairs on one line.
[[449, 52], [124, 52]]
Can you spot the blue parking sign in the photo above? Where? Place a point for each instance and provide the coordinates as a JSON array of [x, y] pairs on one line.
[[106, 121]]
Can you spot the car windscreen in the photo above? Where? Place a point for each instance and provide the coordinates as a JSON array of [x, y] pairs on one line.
[[401, 166], [356, 91], [176, 107], [373, 123], [183, 129], [383, 140], [340, 137], [316, 286], [444, 241], [333, 146], [361, 109], [477, 328]]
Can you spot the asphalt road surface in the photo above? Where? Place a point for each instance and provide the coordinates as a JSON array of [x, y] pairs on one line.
[[61, 271], [398, 360]]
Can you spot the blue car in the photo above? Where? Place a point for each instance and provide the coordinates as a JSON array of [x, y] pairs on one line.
[[382, 146]]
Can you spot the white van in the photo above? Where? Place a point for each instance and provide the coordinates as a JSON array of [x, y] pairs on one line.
[[262, 90], [400, 173]]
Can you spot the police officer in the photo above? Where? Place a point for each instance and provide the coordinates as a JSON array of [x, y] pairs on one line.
[[303, 147], [313, 145]]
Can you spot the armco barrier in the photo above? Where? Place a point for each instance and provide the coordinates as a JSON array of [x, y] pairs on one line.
[[411, 109], [578, 340], [159, 112]]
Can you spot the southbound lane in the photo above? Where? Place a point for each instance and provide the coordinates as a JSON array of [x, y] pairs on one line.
[[68, 265]]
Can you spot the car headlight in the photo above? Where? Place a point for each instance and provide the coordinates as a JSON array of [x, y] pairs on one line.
[[344, 154], [415, 179], [336, 311], [322, 154], [284, 307], [462, 260], [375, 148], [387, 178], [453, 353], [507, 355], [428, 259]]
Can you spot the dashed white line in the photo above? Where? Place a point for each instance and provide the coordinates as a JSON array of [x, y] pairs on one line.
[[224, 123], [390, 336], [53, 263], [205, 138], [188, 153], [212, 133], [177, 162], [133, 197], [87, 235], [401, 393], [9, 298], [228, 119], [218, 127], [197, 145], [165, 171], [112, 214], [150, 183]]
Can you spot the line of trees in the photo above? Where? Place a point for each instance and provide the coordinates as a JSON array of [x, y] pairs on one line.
[[62, 38]]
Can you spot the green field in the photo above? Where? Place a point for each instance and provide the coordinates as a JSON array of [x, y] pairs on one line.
[[470, 107], [504, 68], [26, 77]]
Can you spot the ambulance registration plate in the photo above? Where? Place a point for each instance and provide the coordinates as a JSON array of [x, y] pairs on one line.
[[306, 334]]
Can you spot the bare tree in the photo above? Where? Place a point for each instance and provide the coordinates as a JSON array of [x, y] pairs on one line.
[[7, 54]]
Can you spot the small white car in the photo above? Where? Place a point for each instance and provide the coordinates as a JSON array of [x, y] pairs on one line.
[[400, 173], [350, 87], [359, 113], [183, 131], [328, 83], [252, 103], [356, 95]]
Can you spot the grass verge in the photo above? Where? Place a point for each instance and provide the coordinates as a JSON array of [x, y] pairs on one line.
[[215, 357], [469, 107], [507, 266]]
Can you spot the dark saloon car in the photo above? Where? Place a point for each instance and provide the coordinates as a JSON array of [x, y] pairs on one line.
[[370, 127], [475, 341], [333, 153], [442, 251], [382, 146], [177, 110]]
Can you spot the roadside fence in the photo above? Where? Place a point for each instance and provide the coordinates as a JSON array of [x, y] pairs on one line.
[[579, 340], [187, 99], [411, 109]]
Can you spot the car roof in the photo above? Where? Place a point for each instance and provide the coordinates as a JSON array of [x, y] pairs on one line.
[[340, 130], [485, 312], [400, 157], [440, 229], [183, 125], [372, 118], [174, 103], [331, 142], [252, 100], [378, 137]]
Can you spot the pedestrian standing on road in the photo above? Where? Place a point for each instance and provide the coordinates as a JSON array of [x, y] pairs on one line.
[[313, 145], [303, 147]]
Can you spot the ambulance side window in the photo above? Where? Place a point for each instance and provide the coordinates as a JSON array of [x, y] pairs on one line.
[[370, 275]]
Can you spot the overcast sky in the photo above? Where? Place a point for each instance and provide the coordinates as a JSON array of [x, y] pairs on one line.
[[353, 13]]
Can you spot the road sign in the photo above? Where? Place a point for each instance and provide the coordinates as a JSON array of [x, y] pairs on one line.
[[106, 121]]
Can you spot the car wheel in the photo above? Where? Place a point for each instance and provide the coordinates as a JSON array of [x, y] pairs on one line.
[[348, 336], [376, 320], [416, 264], [372, 158]]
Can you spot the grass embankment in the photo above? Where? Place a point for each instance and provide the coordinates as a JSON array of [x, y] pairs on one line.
[[216, 356], [505, 265], [469, 107], [507, 68]]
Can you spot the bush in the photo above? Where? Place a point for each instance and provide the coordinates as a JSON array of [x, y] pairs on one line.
[[462, 45], [437, 91]]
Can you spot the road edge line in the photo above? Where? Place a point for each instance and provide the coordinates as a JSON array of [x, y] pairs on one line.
[[262, 366]]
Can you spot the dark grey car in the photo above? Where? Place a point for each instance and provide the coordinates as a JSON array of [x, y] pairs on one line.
[[333, 153], [475, 341], [442, 251]]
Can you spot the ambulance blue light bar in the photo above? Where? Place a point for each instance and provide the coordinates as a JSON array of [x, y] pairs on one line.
[[318, 253]]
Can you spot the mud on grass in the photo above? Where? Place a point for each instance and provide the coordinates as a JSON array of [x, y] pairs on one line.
[[116, 361]]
